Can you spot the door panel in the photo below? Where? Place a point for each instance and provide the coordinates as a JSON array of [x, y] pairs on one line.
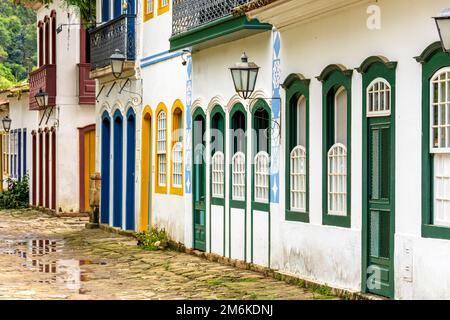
[[146, 179], [89, 166], [380, 208]]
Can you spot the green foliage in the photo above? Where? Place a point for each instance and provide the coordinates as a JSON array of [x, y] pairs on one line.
[[17, 194], [156, 239], [87, 9], [17, 43]]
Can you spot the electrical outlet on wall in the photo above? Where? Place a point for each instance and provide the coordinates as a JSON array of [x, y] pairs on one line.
[[407, 261]]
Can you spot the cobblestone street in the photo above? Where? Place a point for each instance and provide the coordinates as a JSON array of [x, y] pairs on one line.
[[44, 257]]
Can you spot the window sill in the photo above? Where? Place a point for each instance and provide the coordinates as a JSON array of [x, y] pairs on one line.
[[337, 221], [217, 201], [435, 232], [295, 216]]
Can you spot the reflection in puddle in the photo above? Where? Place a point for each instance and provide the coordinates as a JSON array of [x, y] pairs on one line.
[[34, 252]]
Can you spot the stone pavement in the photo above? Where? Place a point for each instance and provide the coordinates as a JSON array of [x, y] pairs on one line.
[[44, 257]]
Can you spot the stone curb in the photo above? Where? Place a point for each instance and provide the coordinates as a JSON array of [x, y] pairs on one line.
[[60, 214], [278, 275]]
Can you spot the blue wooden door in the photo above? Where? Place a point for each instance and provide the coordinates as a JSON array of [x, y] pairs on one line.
[[118, 169], [105, 167], [131, 165]]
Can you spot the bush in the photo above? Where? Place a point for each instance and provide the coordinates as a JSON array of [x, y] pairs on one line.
[[17, 194], [154, 240]]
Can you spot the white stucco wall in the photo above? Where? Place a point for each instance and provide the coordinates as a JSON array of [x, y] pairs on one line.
[[327, 254], [68, 115]]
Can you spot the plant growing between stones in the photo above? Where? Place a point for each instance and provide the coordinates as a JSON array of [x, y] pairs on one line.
[[17, 194], [156, 239]]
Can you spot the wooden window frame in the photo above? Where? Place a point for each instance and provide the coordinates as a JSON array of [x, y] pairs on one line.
[[149, 15], [296, 87], [333, 78], [162, 9], [161, 189], [218, 111], [433, 59], [177, 128]]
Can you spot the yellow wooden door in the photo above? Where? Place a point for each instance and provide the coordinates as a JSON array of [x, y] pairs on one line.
[[89, 165]]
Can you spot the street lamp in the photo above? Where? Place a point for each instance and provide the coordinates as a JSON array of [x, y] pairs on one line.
[[41, 99], [443, 26], [244, 76], [6, 123], [117, 61]]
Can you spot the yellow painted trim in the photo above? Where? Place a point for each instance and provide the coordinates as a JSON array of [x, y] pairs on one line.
[[162, 9], [161, 189], [146, 164], [148, 16], [178, 105]]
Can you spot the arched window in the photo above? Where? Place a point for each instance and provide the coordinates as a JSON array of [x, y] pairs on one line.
[[161, 149], [336, 166], [218, 175], [238, 176], [217, 147], [297, 143], [440, 145], [262, 173], [379, 98], [176, 186]]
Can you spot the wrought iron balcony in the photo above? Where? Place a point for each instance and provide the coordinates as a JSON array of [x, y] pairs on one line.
[[43, 78], [190, 14], [119, 34]]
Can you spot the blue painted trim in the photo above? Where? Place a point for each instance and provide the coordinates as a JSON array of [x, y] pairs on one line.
[[19, 154], [155, 56], [118, 169], [131, 168], [143, 65], [24, 151], [105, 167]]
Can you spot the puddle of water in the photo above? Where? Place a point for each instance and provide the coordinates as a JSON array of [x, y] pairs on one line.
[[34, 251]]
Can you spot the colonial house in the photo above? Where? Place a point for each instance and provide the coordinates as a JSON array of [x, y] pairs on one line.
[[118, 109], [332, 166], [58, 125], [15, 146]]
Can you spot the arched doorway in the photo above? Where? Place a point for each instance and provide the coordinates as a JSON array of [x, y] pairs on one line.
[[105, 167], [199, 178], [260, 213], [87, 164], [118, 169], [146, 165], [131, 170]]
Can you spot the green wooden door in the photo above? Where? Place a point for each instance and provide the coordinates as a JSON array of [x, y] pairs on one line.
[[199, 183], [380, 209]]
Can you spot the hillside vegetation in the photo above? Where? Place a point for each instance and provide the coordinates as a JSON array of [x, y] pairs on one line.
[[17, 43]]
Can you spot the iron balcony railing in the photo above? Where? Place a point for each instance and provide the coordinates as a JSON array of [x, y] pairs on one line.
[[119, 34], [189, 14]]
